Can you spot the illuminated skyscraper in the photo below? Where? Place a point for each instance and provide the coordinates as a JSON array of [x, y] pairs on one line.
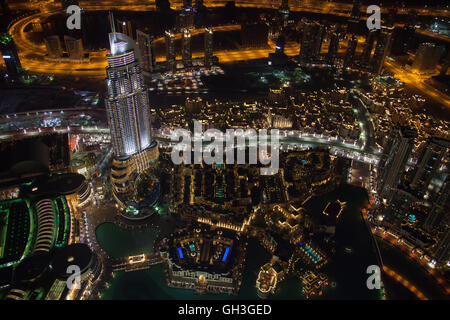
[[394, 158], [9, 54], [127, 101], [208, 46], [186, 51], [382, 49], [145, 43], [128, 112], [350, 53], [170, 50]]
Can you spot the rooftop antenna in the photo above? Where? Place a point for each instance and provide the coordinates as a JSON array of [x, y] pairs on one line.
[[112, 22], [113, 28]]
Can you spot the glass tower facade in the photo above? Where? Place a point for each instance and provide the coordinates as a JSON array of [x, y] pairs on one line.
[[127, 104]]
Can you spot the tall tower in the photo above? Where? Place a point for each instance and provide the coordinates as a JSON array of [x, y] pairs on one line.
[[439, 207], [333, 48], [170, 50], [128, 112], [127, 101], [318, 41], [186, 51], [431, 170], [9, 54], [308, 42], [442, 250], [368, 46], [145, 44], [382, 49], [395, 157], [208, 46], [350, 53]]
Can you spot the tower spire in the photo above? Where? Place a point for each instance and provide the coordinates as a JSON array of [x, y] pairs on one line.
[[112, 22]]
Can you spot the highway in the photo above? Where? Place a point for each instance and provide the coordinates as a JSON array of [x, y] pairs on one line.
[[32, 54], [417, 82]]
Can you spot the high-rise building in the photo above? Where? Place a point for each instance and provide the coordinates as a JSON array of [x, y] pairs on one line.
[[284, 11], [186, 51], [310, 42], [395, 156], [439, 208], [427, 58], [349, 58], [442, 250], [145, 43], [279, 46], [185, 18], [431, 170], [54, 49], [333, 48], [124, 26], [9, 54], [321, 32], [74, 48], [127, 100], [208, 46], [382, 49], [128, 113], [170, 50], [368, 46]]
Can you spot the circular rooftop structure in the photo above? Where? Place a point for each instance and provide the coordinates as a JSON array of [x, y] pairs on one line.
[[78, 254], [64, 183]]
